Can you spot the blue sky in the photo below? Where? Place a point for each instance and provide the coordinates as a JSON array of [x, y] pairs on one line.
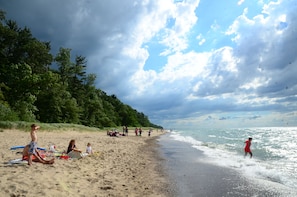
[[183, 63]]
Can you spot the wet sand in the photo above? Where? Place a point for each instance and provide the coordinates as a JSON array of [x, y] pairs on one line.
[[195, 177]]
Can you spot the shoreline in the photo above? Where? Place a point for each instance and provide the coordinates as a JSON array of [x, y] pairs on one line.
[[121, 166], [195, 177]]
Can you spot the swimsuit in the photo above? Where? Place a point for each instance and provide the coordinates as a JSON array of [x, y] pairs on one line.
[[247, 146], [26, 157], [70, 148], [33, 147]]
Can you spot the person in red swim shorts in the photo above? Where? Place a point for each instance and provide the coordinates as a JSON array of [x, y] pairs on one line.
[[247, 148]]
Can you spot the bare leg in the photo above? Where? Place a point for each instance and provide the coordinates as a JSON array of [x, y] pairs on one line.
[[41, 160], [30, 159], [38, 158], [26, 154]]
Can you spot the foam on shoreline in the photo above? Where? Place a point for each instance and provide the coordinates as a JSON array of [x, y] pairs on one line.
[[195, 177]]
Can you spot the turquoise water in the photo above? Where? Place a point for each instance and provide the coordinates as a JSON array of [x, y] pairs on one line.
[[274, 161]]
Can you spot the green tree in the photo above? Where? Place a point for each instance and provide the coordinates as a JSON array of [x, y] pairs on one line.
[[93, 108], [30, 89], [22, 57], [6, 113], [77, 80], [54, 102], [64, 65], [21, 95]]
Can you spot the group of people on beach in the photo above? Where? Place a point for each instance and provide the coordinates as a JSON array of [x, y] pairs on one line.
[[115, 133], [31, 153], [138, 131]]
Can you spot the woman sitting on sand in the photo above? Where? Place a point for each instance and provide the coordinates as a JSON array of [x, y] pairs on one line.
[[73, 152], [72, 147], [36, 157]]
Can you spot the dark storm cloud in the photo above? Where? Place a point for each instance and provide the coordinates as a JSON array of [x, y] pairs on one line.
[[256, 73]]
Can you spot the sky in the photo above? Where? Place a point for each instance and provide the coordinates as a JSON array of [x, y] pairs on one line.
[[183, 63]]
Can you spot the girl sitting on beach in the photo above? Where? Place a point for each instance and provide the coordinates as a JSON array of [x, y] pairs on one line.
[[72, 147], [73, 152], [89, 149]]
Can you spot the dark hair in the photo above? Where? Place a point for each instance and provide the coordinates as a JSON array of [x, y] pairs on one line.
[[33, 125], [71, 141], [70, 147], [250, 138]]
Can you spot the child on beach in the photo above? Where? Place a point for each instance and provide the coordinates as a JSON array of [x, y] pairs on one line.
[[247, 149], [73, 152], [72, 147], [89, 149], [31, 149], [52, 148]]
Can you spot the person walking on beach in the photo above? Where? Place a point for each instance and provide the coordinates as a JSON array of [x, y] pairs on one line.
[[32, 148], [124, 130], [140, 131], [247, 148], [136, 131]]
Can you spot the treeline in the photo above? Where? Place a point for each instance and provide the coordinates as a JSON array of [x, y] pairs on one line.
[[32, 90]]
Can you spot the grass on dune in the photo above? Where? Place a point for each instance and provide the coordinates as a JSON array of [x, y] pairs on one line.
[[20, 125], [25, 126]]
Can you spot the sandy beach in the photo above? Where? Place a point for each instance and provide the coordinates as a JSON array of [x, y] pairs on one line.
[[121, 166]]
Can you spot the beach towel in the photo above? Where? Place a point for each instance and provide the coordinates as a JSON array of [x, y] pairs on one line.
[[17, 161], [77, 155]]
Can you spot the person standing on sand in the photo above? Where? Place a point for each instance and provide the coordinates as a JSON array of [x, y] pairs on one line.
[[32, 148], [149, 132], [247, 148], [126, 131]]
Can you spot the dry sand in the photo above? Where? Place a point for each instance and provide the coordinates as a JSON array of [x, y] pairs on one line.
[[121, 166]]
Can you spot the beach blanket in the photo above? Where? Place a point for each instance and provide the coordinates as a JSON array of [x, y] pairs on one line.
[[77, 155], [17, 161], [21, 147]]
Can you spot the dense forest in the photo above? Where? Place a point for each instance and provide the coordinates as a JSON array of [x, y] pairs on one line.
[[32, 90]]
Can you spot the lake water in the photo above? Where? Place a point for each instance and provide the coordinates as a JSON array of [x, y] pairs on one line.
[[274, 161]]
